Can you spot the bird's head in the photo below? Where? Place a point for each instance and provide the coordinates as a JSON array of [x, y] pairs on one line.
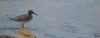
[[31, 12]]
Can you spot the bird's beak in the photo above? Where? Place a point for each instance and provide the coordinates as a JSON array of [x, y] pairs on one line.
[[35, 14]]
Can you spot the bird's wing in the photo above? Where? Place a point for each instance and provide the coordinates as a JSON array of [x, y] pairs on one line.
[[22, 17]]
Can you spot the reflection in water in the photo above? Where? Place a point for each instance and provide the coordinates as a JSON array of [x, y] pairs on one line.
[[24, 33]]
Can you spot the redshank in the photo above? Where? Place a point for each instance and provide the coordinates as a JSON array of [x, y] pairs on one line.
[[24, 18]]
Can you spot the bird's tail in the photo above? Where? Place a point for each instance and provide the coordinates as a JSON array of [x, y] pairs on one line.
[[12, 19]]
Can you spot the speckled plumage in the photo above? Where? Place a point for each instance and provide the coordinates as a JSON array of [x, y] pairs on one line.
[[22, 18]]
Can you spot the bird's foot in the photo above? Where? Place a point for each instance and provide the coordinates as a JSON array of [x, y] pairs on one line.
[[22, 26]]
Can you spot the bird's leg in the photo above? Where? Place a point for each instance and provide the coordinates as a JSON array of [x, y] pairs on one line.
[[22, 26]]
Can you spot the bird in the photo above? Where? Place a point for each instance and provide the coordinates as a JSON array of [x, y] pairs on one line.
[[24, 18]]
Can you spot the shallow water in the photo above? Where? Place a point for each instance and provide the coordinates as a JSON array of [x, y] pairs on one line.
[[56, 18]]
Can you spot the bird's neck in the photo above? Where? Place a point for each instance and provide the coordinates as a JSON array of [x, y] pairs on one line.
[[29, 14]]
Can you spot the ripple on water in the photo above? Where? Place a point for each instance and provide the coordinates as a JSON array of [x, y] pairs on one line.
[[40, 30], [51, 36], [68, 28]]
